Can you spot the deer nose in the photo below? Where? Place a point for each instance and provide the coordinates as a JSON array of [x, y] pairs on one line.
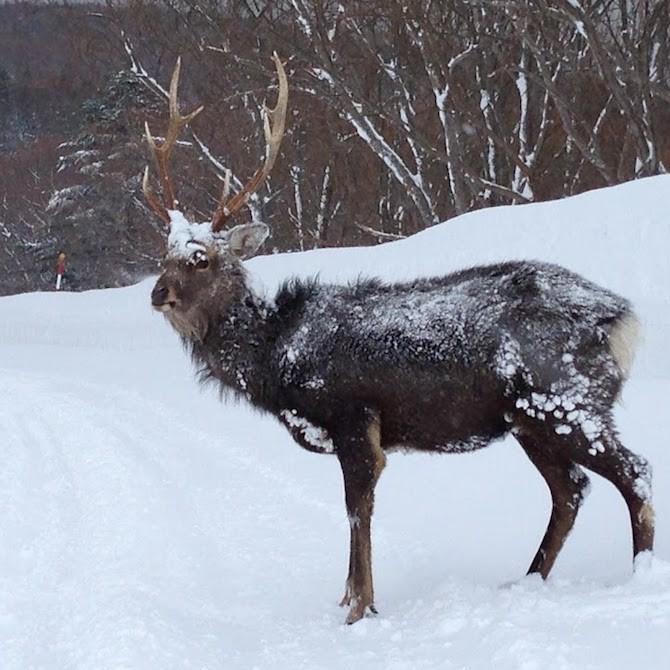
[[159, 296]]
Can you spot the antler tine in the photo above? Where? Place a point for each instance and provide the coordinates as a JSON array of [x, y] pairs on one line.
[[153, 200], [163, 152], [274, 125]]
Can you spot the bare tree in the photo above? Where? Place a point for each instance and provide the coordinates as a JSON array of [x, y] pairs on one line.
[[403, 113]]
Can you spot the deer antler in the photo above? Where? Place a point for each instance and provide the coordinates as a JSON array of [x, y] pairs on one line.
[[273, 127], [163, 152]]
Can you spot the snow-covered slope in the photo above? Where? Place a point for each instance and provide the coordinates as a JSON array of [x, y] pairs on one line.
[[144, 525]]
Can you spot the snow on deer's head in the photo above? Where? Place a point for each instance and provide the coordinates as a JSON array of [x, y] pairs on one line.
[[202, 269]]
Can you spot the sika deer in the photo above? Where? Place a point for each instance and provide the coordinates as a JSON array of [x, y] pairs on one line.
[[447, 364]]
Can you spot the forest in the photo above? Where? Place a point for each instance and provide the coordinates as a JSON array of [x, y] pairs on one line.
[[402, 114]]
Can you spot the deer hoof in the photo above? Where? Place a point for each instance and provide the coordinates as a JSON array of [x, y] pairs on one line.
[[358, 610]]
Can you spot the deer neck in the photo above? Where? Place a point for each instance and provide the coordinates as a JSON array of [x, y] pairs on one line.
[[235, 351]]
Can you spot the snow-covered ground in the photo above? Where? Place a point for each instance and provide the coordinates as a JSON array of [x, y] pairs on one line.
[[144, 525]]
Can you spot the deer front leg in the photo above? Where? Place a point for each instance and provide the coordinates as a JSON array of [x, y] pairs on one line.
[[346, 598], [362, 461]]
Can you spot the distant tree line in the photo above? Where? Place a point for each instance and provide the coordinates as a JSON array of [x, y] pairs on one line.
[[403, 113]]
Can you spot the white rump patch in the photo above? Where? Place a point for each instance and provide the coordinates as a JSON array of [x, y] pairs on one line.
[[623, 342]]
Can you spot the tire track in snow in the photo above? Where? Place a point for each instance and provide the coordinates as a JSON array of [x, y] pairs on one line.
[[109, 475]]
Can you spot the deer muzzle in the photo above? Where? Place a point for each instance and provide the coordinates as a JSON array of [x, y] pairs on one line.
[[163, 298]]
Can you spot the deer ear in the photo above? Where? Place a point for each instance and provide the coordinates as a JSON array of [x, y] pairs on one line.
[[244, 240]]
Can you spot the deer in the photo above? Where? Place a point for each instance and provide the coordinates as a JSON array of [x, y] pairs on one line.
[[447, 364]]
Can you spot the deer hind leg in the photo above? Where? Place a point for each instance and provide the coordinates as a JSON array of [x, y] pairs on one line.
[[568, 486], [630, 474], [362, 460]]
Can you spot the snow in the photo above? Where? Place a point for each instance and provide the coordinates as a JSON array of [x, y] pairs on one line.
[[65, 196], [189, 241], [145, 525], [314, 436]]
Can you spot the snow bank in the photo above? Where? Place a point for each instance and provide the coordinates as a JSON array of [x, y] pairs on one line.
[[144, 525]]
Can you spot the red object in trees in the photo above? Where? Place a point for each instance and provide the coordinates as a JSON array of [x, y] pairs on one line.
[[60, 270], [60, 264]]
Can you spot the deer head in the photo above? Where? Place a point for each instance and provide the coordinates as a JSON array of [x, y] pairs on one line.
[[202, 271]]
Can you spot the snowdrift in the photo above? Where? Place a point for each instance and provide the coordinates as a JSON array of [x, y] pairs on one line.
[[145, 525]]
